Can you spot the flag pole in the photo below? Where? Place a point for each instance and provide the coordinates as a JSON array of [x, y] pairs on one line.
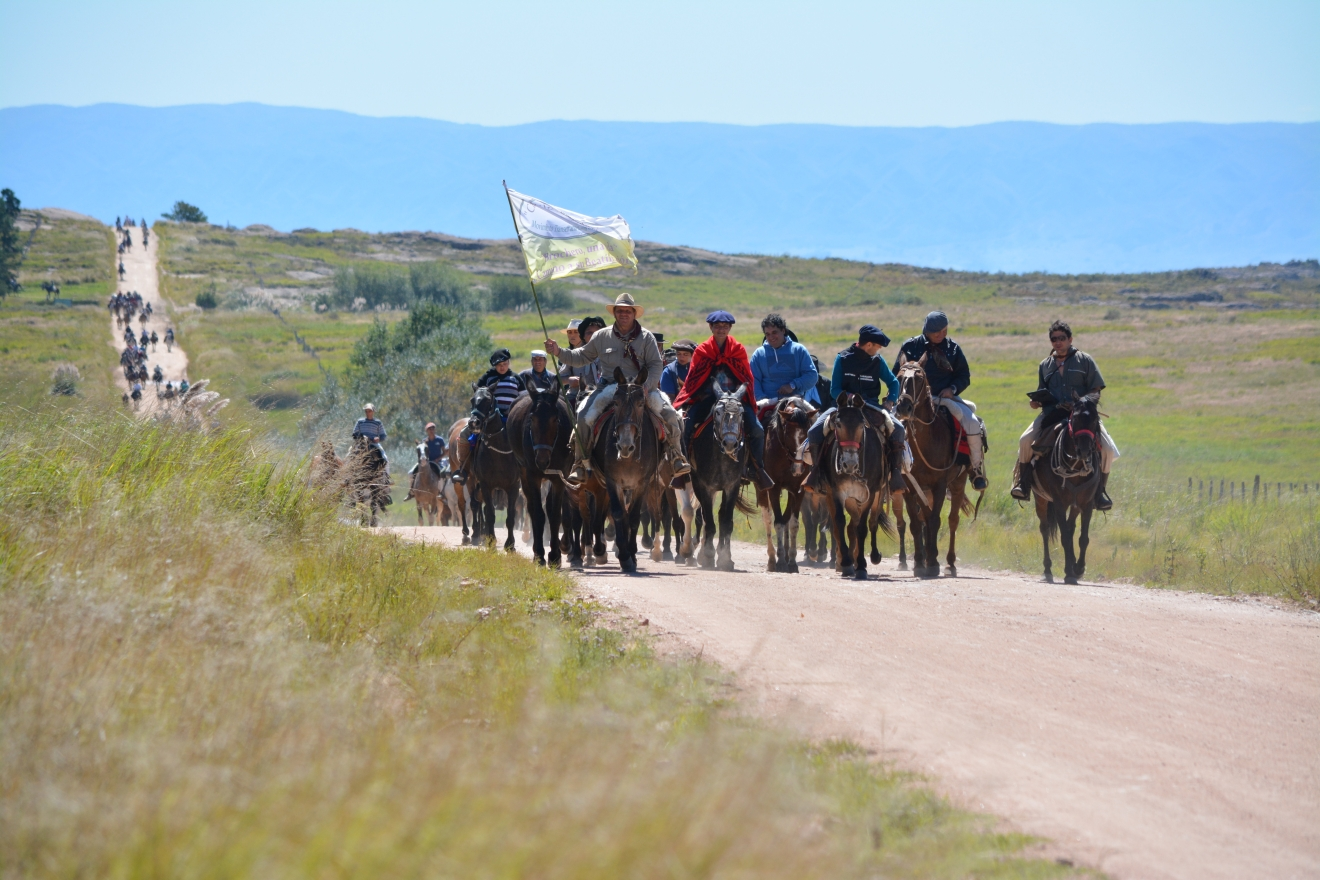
[[536, 299]]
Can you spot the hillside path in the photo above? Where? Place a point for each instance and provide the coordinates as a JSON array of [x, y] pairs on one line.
[[1148, 733], [140, 275]]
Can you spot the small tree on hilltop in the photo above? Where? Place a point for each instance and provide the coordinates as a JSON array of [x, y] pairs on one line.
[[186, 213], [10, 252]]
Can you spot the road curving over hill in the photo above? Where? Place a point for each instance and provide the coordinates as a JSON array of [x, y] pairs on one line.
[[1147, 733]]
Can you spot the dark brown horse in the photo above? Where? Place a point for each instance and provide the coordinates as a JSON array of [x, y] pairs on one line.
[[938, 471], [625, 456], [854, 472], [493, 469], [541, 428], [459, 450], [1065, 485], [785, 432]]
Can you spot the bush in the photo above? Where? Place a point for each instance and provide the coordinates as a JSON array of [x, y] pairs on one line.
[[207, 298], [438, 283], [514, 293], [186, 213], [372, 285], [65, 379]]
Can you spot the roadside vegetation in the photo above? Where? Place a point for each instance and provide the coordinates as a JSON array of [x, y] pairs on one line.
[[206, 674]]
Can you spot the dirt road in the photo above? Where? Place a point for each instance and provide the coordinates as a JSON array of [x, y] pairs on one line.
[[140, 275], [1151, 734]]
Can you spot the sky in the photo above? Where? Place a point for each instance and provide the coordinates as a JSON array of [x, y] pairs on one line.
[[749, 63]]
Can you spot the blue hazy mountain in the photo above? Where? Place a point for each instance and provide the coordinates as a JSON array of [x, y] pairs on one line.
[[1010, 196]]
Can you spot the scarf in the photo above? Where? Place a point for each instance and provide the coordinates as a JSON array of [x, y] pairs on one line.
[[628, 341], [706, 360]]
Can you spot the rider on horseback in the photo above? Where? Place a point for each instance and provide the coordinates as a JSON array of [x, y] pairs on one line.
[[630, 347], [724, 358], [859, 369], [782, 366], [368, 427], [538, 378], [1064, 373], [675, 373], [505, 386], [948, 376], [435, 451]]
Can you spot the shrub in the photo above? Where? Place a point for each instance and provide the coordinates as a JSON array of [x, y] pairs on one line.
[[514, 293], [438, 283], [64, 379], [185, 213], [207, 298]]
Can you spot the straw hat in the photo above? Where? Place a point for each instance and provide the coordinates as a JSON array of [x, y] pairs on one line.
[[625, 299]]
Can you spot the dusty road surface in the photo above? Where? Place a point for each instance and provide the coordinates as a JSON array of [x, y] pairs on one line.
[[140, 275], [1150, 734]]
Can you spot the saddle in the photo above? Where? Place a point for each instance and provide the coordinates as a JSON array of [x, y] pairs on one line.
[[1046, 439]]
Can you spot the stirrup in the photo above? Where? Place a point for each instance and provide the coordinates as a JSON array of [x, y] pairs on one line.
[[681, 466]]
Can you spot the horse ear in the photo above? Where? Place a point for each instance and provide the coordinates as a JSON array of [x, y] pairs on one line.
[[641, 377], [841, 400], [742, 389], [474, 386], [619, 377]]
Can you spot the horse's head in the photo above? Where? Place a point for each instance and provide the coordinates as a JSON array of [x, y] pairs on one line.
[[850, 433], [1084, 422], [913, 387], [483, 410], [792, 420], [543, 424], [727, 419], [629, 413]]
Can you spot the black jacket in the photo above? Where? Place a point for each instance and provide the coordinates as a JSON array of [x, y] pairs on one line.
[[938, 375], [858, 373]]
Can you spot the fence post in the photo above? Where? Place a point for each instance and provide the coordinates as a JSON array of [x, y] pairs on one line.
[[1200, 489], [1221, 490], [1255, 489]]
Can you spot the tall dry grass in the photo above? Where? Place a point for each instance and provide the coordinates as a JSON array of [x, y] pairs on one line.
[[203, 673]]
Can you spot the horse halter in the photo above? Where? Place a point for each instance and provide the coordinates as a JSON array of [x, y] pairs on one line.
[[542, 447], [728, 416], [907, 378], [622, 404]]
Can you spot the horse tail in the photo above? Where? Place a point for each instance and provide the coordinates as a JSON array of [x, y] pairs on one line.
[[885, 521], [742, 505]]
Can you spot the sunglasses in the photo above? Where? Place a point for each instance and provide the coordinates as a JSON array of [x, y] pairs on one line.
[[1058, 338]]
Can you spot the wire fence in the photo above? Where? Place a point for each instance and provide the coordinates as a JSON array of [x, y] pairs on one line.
[[1223, 489]]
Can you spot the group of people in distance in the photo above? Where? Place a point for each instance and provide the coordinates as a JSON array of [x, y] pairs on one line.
[[679, 385]]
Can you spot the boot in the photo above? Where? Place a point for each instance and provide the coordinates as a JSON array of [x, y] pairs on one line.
[[1102, 499], [979, 482], [1022, 491], [816, 478], [461, 475], [678, 460], [896, 481], [760, 475], [581, 466]]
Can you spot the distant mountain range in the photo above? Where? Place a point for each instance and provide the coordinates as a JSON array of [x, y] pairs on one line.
[[1012, 196]]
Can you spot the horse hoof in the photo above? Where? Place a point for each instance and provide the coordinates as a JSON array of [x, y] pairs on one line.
[[848, 571], [556, 561], [540, 562], [791, 568], [951, 571], [691, 562], [1049, 578], [902, 566], [628, 566], [1070, 581], [647, 542], [929, 573], [859, 575], [725, 565], [875, 557], [667, 556]]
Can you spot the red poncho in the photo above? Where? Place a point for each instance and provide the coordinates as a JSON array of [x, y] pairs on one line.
[[706, 360]]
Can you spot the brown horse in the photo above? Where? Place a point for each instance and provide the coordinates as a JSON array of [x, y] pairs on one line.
[[855, 473], [459, 450], [425, 488], [937, 471], [785, 433], [626, 456], [1065, 483]]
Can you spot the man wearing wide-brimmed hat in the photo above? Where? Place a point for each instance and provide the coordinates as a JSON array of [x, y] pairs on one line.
[[631, 348]]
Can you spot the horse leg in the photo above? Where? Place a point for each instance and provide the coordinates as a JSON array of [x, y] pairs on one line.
[[857, 536], [535, 513], [706, 555], [689, 515], [1045, 513], [666, 515], [770, 521], [727, 500], [1083, 540], [788, 561], [931, 560], [838, 528], [1067, 528], [511, 508], [634, 522], [955, 503]]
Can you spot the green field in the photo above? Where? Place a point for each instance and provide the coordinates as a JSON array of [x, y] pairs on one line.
[[1213, 374]]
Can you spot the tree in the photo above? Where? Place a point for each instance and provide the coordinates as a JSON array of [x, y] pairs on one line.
[[186, 213], [10, 252]]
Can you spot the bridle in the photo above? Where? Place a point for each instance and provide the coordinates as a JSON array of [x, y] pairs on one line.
[[728, 416], [908, 374], [624, 404], [554, 440], [482, 419], [1073, 464]]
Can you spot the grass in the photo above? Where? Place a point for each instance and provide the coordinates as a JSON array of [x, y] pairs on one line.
[[36, 336], [204, 673]]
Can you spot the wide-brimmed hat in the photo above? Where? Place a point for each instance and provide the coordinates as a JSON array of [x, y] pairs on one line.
[[573, 324], [624, 299]]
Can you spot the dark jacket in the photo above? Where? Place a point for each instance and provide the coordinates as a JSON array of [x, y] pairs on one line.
[[939, 377], [1077, 374], [542, 381], [857, 372], [672, 378]]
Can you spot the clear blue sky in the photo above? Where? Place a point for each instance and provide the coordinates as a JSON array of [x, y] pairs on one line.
[[499, 63]]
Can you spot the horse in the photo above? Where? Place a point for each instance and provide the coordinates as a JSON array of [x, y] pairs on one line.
[[719, 453], [785, 433], [493, 468], [456, 438], [855, 473], [938, 470], [368, 478], [1065, 489], [541, 426], [426, 488], [626, 455]]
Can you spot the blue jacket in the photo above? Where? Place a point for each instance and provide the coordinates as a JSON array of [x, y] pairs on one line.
[[671, 379], [790, 364], [857, 372]]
